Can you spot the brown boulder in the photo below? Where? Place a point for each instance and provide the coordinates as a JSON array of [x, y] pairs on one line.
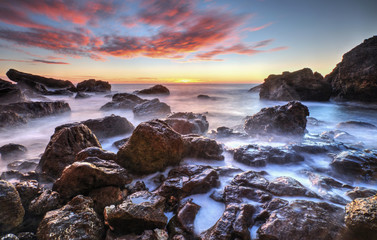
[[152, 146], [94, 152], [361, 192], [151, 108], [188, 123], [107, 196], [287, 186], [36, 109], [12, 212], [10, 118], [156, 89], [289, 119], [302, 85], [47, 201], [123, 101], [76, 220], [201, 147], [63, 147], [354, 78], [109, 126], [93, 85], [28, 190], [12, 151], [82, 177]]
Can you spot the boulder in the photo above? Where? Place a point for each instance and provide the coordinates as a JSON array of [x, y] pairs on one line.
[[106, 196], [28, 190], [23, 165], [354, 78], [10, 93], [355, 124], [188, 123], [12, 212], [304, 220], [289, 119], [10, 118], [94, 152], [240, 194], [287, 186], [63, 147], [47, 201], [76, 220], [156, 89], [225, 132], [12, 151], [81, 95], [186, 216], [82, 177], [17, 76], [204, 97], [302, 85], [259, 156], [361, 192], [36, 109], [251, 179], [356, 165], [256, 88], [140, 211], [156, 234], [233, 224], [109, 126], [151, 108], [201, 147], [152, 146], [361, 217], [187, 180], [123, 101], [93, 85]]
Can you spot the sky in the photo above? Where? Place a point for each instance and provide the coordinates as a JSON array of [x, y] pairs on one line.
[[177, 41]]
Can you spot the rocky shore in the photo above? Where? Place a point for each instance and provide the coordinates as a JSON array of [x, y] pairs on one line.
[[149, 188]]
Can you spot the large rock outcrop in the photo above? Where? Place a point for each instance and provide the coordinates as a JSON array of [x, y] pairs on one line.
[[76, 220], [355, 77], [151, 109], [152, 146], [156, 89], [10, 118], [289, 119], [63, 147], [21, 77], [93, 85], [123, 101], [302, 85], [188, 122], [12, 212], [9, 93], [36, 109]]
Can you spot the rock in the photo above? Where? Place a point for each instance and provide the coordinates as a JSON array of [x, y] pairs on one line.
[[123, 101], [47, 201], [9, 236], [302, 85], [251, 179], [186, 180], [156, 89], [361, 217], [92, 173], [28, 190], [188, 123], [256, 88], [202, 147], [93, 85], [355, 124], [354, 78], [27, 236], [107, 196], [287, 186], [63, 147], [323, 182], [76, 220], [23, 165], [10, 118], [233, 224], [275, 204], [156, 234], [361, 192], [259, 156], [109, 126], [81, 95], [12, 151], [202, 96], [36, 109], [136, 186], [151, 108], [186, 216], [356, 165], [94, 152], [12, 212], [16, 176], [17, 76], [238, 194], [304, 220], [152, 146], [289, 119], [10, 93], [140, 211], [225, 132], [118, 144]]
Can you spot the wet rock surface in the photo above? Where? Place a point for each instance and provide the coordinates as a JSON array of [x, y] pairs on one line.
[[75, 220], [287, 186], [48, 200], [10, 93], [355, 124], [156, 89], [81, 95], [188, 123], [304, 220], [109, 126], [107, 196], [152, 146], [302, 85], [354, 78], [151, 108], [36, 109], [82, 177], [201, 147], [12, 151], [361, 217], [289, 119], [94, 152], [361, 192], [93, 85], [10, 118], [63, 147], [123, 101], [12, 211], [140, 211], [28, 190]]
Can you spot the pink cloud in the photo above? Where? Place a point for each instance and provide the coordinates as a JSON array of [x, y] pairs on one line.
[[254, 29]]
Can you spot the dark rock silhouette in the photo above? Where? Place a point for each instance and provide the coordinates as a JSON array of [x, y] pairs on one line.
[[36, 109], [156, 89], [12, 212], [93, 85], [355, 77], [12, 151], [301, 85], [123, 101], [151, 109], [10, 93]]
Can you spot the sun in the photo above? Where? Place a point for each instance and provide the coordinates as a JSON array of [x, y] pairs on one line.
[[187, 80]]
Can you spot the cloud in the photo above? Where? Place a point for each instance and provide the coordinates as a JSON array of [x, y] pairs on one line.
[[254, 29], [18, 18], [32, 61], [48, 62]]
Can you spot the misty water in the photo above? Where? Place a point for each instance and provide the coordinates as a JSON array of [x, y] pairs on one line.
[[231, 104]]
